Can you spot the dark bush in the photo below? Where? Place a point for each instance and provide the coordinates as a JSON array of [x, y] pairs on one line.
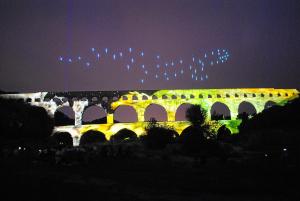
[[158, 137], [62, 139], [24, 123], [92, 137], [192, 139], [223, 133], [124, 135]]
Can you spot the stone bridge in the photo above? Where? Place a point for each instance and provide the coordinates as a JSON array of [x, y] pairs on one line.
[[171, 100]]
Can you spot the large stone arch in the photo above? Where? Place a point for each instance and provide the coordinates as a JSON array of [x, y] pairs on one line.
[[94, 114], [64, 116], [125, 113], [219, 111], [180, 114], [247, 107], [156, 111]]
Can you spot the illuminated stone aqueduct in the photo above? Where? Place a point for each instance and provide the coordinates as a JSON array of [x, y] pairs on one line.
[[141, 99]]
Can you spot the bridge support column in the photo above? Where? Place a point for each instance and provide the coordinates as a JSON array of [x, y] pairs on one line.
[[78, 119], [78, 108], [110, 118], [140, 114], [234, 110], [171, 115]]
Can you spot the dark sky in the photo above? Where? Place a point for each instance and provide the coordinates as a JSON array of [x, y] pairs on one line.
[[261, 36]]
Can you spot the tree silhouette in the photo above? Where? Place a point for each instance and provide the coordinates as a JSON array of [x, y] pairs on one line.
[[124, 135], [196, 115], [23, 122], [157, 137], [193, 138], [243, 116]]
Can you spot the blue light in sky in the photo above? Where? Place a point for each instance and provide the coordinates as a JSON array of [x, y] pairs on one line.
[[142, 81], [177, 68]]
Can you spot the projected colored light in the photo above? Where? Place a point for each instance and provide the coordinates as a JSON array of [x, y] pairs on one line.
[[170, 100], [153, 65]]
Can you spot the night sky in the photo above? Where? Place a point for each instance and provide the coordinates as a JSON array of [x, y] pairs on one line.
[[261, 36]]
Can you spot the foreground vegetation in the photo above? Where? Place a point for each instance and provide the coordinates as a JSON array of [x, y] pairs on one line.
[[261, 163]]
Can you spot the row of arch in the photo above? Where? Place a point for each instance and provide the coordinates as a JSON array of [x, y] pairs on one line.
[[154, 97], [126, 113]]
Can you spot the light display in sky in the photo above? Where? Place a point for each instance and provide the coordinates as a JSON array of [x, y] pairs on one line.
[[151, 65]]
